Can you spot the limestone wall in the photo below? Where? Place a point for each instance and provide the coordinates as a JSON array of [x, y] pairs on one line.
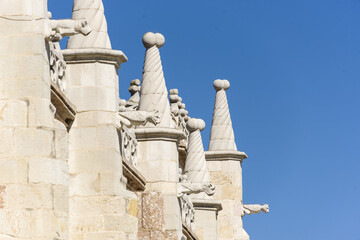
[[34, 176]]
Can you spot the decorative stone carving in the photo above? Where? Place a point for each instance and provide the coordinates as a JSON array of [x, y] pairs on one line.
[[254, 208], [127, 120], [222, 133], [93, 12], [154, 94], [134, 89], [187, 212], [57, 66]]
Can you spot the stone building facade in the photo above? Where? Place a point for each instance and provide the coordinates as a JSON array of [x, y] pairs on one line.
[[79, 163]]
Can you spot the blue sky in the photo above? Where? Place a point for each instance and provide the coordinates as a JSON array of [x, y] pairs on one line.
[[294, 69]]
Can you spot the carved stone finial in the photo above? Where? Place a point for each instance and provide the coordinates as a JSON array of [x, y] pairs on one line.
[[221, 84], [93, 12], [153, 39], [222, 133], [134, 90], [195, 165], [195, 124], [174, 100], [154, 95]]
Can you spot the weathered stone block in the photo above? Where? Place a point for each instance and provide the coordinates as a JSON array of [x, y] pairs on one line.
[[30, 196], [12, 66], [220, 178], [97, 205], [40, 113], [152, 211], [16, 222], [84, 224], [125, 223], [33, 142], [49, 171], [13, 171], [61, 198], [85, 184], [13, 113], [83, 138], [61, 145]]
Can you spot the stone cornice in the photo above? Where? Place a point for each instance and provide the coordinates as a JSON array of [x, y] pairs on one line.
[[158, 134], [225, 156], [91, 55], [207, 204]]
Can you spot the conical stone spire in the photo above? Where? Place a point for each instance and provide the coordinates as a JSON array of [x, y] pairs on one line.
[[222, 133], [93, 12], [195, 166], [153, 94]]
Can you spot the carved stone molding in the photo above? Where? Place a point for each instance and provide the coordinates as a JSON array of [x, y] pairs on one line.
[[211, 205], [225, 156], [158, 134], [135, 180]]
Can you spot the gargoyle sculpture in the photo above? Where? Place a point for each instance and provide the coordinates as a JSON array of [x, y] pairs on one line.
[[193, 188], [55, 30], [127, 120], [254, 208]]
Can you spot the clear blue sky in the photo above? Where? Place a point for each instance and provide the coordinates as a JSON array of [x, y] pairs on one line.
[[294, 69]]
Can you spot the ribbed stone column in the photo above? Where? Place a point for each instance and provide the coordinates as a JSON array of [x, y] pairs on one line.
[[225, 166], [93, 12]]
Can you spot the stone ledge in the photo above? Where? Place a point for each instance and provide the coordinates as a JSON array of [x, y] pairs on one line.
[[135, 180], [225, 156], [158, 134], [65, 110], [91, 55], [204, 204]]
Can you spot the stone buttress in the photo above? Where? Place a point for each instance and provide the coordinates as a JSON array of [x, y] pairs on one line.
[[98, 198], [225, 166]]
